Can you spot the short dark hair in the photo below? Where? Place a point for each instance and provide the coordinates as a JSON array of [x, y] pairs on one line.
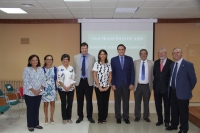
[[143, 50], [46, 58], [105, 52], [122, 46], [65, 56], [30, 58], [84, 44]]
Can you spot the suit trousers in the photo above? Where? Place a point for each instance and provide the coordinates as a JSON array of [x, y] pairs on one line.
[[123, 93], [179, 110], [142, 91], [32, 109], [66, 104], [102, 103], [84, 89], [158, 103]]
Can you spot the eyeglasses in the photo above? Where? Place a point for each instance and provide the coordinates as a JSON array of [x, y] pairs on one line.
[[49, 59]]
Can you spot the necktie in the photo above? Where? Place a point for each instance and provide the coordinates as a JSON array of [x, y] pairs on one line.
[[173, 85], [161, 65], [83, 66], [143, 71], [122, 62]]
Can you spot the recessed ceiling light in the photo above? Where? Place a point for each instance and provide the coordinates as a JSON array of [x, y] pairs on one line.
[[127, 10], [13, 10], [76, 0], [27, 5]]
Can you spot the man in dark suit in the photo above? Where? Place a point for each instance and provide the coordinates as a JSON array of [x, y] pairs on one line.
[[122, 82], [182, 81], [161, 73]]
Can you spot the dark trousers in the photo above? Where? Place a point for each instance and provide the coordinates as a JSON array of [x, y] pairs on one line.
[[84, 89], [32, 108], [123, 93], [66, 104], [102, 103], [158, 103], [142, 91], [179, 110]]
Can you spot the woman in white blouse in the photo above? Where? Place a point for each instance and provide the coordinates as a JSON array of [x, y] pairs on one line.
[[65, 77], [102, 77], [34, 82]]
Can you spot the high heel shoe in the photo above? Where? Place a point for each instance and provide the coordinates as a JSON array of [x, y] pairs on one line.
[[99, 122], [31, 129], [104, 122], [52, 122]]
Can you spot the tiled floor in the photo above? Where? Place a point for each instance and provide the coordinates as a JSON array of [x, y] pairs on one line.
[[19, 123]]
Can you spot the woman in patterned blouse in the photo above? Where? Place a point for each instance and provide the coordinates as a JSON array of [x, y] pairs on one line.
[[49, 95], [65, 77], [102, 77], [34, 82]]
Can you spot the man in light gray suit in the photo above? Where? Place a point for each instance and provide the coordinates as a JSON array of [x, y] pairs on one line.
[[83, 64], [143, 84]]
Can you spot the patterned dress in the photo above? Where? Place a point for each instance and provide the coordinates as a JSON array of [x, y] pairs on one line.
[[49, 93]]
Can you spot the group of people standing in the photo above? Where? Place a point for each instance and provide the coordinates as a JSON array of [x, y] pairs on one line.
[[172, 82]]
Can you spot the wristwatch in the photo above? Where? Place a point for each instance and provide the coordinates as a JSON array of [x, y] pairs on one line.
[[108, 85]]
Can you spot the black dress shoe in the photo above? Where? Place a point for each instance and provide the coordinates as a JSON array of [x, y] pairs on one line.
[[79, 120], [118, 121], [127, 121], [39, 127], [166, 124], [159, 123], [91, 120], [171, 128], [181, 132], [147, 120], [31, 129], [136, 119]]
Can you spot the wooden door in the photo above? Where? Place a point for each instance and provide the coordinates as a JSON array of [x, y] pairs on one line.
[[193, 55]]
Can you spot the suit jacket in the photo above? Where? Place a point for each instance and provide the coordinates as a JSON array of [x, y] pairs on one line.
[[161, 79], [77, 69], [185, 80], [137, 70], [126, 75]]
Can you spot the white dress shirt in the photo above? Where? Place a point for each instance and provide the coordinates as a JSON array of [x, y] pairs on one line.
[[179, 63], [164, 61], [146, 80]]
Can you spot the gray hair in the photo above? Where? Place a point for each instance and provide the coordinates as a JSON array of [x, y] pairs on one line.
[[177, 49], [164, 49]]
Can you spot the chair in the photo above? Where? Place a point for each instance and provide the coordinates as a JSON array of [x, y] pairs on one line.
[[9, 88], [12, 95], [4, 105]]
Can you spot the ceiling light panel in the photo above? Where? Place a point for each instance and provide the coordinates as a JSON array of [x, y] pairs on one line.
[[76, 0], [13, 10], [126, 10]]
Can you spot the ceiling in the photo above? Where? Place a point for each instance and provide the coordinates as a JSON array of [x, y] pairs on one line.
[[96, 9]]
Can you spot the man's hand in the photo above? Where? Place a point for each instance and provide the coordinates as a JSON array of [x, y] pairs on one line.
[[131, 87], [113, 87]]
